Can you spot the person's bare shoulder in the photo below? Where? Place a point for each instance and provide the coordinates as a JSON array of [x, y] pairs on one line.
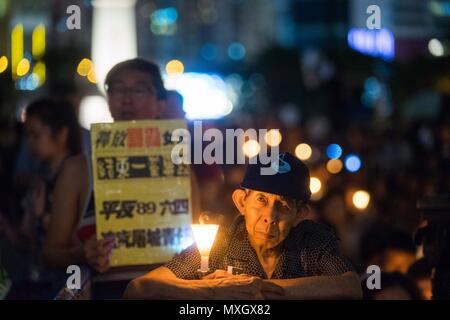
[[74, 167], [75, 162]]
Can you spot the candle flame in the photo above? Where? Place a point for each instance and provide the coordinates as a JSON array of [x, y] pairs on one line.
[[204, 235]]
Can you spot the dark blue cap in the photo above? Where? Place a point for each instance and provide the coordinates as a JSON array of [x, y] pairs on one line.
[[291, 179]]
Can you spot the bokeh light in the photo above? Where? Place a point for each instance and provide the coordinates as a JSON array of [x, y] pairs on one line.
[[3, 63], [236, 51], [361, 199], [352, 163], [84, 67], [94, 109], [164, 21], [251, 148], [273, 137], [376, 43], [23, 67], [334, 166], [174, 67], [39, 70], [38, 41], [114, 37], [303, 151], [436, 48], [315, 185], [28, 82], [205, 95], [91, 76], [16, 48], [334, 151]]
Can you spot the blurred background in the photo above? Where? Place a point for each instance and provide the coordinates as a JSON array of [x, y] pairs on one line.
[[367, 109]]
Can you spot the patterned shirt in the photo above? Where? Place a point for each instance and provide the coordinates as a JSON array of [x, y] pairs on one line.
[[311, 249]]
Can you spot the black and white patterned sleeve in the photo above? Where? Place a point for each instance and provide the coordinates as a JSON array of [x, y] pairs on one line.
[[331, 261], [185, 264]]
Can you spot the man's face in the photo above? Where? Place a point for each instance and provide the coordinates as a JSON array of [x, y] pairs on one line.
[[268, 217], [132, 96]]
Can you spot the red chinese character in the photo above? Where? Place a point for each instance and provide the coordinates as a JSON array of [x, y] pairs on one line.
[[135, 138], [152, 137]]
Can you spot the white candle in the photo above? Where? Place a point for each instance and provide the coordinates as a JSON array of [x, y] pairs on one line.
[[204, 235]]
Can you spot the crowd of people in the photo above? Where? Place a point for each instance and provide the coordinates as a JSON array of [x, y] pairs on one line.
[[47, 219]]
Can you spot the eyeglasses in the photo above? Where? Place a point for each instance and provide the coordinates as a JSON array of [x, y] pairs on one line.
[[139, 91]]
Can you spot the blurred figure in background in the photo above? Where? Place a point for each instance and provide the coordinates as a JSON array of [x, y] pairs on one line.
[[391, 250], [394, 286], [10, 136], [420, 271], [347, 225], [53, 134], [27, 166]]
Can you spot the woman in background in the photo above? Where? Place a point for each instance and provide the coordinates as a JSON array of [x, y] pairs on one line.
[[52, 135]]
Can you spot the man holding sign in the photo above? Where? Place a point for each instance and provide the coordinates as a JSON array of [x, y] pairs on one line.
[[135, 91]]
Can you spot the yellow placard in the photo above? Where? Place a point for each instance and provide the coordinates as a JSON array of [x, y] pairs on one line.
[[142, 198]]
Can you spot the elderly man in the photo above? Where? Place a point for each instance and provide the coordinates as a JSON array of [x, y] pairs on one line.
[[272, 250]]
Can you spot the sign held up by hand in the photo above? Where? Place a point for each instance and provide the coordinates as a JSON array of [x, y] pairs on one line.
[[142, 198]]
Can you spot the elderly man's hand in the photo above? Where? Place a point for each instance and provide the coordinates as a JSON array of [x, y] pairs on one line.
[[241, 287], [219, 274]]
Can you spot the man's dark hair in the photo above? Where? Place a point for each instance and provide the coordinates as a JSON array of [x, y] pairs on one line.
[[58, 114], [138, 65]]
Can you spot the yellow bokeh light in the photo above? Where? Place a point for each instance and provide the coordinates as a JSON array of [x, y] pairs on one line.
[[334, 166], [40, 70], [85, 67], [273, 137], [91, 76], [174, 67], [16, 48], [38, 42], [251, 148], [3, 63], [303, 151], [315, 185], [23, 67], [361, 199]]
